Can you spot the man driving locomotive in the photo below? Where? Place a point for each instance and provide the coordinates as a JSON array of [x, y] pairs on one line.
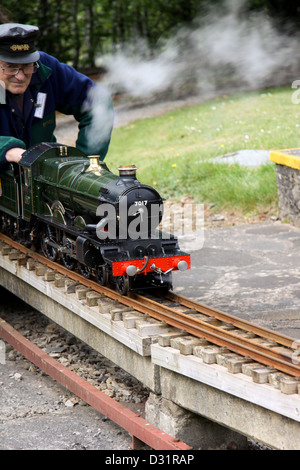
[[33, 86]]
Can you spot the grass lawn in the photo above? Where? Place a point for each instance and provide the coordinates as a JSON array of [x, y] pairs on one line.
[[173, 152]]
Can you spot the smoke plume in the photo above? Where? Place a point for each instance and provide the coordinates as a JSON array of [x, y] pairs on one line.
[[225, 49]]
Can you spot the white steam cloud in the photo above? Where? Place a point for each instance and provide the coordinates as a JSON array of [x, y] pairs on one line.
[[229, 50], [140, 77], [98, 133], [226, 52]]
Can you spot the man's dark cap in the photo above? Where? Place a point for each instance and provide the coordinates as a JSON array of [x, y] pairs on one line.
[[17, 43]]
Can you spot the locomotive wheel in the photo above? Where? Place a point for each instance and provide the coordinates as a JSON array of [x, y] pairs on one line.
[[68, 261], [85, 271], [122, 283], [101, 275], [8, 226], [49, 251], [13, 228]]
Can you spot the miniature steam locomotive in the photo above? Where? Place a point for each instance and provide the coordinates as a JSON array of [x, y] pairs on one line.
[[76, 210]]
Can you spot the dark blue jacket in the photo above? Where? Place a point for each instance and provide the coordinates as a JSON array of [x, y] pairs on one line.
[[67, 91]]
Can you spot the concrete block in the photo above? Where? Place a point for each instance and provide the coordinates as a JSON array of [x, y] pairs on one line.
[[260, 374], [224, 355], [248, 368], [81, 292], [187, 344], [150, 327], [22, 260], [275, 378], [289, 385], [194, 430], [13, 255], [31, 264], [209, 354], [70, 286], [106, 305], [59, 280], [130, 318], [176, 340], [165, 338], [117, 313], [92, 298], [5, 250], [234, 365], [40, 270], [49, 275]]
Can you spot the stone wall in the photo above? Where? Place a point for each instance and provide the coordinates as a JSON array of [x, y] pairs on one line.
[[288, 184]]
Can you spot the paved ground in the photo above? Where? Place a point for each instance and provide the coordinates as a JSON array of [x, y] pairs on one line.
[[252, 271], [34, 417]]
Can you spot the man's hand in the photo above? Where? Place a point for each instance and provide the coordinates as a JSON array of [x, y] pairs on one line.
[[14, 154]]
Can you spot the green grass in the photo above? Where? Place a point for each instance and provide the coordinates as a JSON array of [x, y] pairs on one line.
[[173, 151]]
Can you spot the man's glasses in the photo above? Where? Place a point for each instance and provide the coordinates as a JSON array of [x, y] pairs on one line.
[[28, 69]]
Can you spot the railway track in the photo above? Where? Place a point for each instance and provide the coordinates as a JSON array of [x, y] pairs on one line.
[[251, 341]]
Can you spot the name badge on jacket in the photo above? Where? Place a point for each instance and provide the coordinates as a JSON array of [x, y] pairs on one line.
[[40, 105]]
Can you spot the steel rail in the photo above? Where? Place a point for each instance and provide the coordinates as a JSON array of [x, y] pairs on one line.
[[239, 323], [199, 328], [132, 422], [224, 338]]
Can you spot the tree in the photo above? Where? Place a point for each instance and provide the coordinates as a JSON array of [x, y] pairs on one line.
[[76, 31]]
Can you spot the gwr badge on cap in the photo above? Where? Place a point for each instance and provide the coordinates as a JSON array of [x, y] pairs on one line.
[[17, 43]]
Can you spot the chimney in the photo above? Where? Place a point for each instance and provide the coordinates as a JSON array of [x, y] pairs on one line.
[[127, 172]]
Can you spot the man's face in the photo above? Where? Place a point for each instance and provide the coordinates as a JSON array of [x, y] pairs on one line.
[[15, 83]]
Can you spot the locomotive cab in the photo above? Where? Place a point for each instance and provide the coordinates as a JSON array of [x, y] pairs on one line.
[[9, 190], [10, 209]]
